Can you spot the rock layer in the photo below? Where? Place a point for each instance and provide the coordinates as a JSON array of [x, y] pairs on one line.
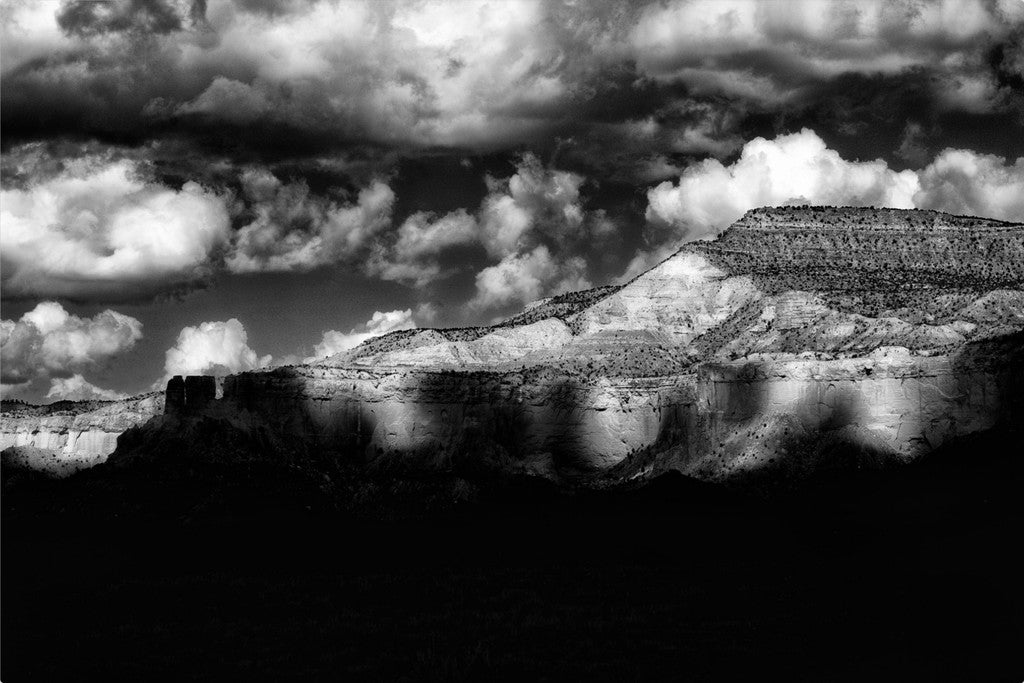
[[64, 437], [801, 339]]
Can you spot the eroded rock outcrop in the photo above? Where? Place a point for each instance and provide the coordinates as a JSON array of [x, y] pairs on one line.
[[800, 339], [189, 395], [64, 437]]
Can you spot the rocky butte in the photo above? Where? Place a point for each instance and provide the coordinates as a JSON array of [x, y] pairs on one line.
[[801, 339]]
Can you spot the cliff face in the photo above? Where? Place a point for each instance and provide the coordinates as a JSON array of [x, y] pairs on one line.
[[801, 339], [64, 437], [720, 419], [541, 419]]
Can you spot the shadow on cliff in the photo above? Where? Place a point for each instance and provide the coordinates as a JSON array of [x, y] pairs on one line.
[[266, 440], [490, 423], [822, 440], [689, 431], [276, 416], [734, 433], [1003, 359]]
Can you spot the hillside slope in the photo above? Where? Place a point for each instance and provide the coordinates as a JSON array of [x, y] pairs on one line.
[[803, 338]]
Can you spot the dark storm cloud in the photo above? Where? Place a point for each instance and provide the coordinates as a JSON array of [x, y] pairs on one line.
[[1006, 59], [314, 164], [302, 133], [478, 77], [92, 17], [336, 74]]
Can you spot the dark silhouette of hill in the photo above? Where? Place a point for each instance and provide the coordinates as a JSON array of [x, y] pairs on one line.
[[271, 573]]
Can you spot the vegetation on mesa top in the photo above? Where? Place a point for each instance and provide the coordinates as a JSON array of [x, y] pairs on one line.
[[859, 215], [864, 249], [14, 407]]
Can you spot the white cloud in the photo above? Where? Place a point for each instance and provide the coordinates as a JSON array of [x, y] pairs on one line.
[[791, 169], [49, 341], [418, 236], [420, 72], [213, 348], [29, 30], [800, 169], [533, 204], [490, 74], [960, 181], [76, 388], [532, 223], [536, 224], [296, 231], [381, 323], [421, 239], [522, 278], [99, 229]]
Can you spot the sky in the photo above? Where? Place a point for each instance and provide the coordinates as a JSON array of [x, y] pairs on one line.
[[215, 186]]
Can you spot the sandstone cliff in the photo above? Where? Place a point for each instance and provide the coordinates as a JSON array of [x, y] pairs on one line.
[[64, 437], [802, 338]]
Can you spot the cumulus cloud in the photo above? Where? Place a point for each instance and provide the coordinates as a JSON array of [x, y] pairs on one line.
[[381, 323], [963, 182], [415, 256], [534, 203], [77, 388], [791, 169], [618, 93], [293, 230], [536, 224], [90, 223], [213, 348], [800, 169], [479, 74], [101, 228], [420, 73], [522, 278], [532, 225], [49, 341]]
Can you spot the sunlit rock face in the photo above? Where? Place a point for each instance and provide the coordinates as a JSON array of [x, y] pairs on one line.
[[803, 415], [67, 436], [801, 339], [681, 298]]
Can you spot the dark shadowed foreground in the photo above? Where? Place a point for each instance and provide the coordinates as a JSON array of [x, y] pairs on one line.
[[190, 573]]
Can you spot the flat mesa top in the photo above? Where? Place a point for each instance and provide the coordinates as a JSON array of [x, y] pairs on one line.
[[865, 218], [818, 248]]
